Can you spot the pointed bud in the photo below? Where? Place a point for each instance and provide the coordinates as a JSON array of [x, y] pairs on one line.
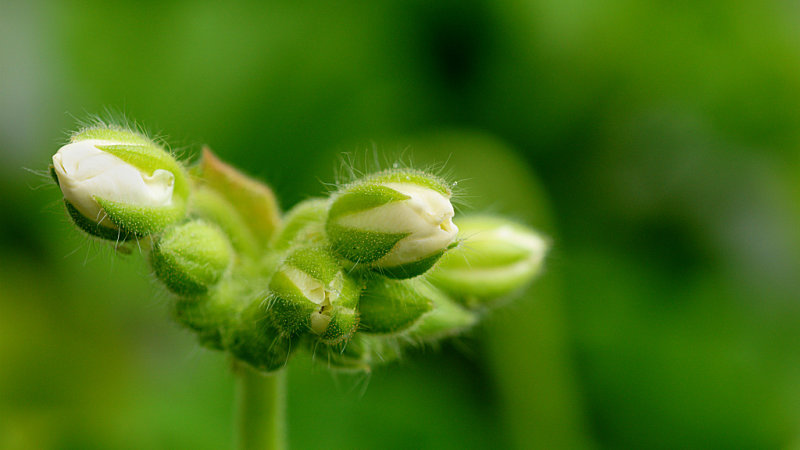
[[392, 306], [311, 292], [446, 318], [495, 258], [117, 183], [305, 223], [191, 257], [397, 222]]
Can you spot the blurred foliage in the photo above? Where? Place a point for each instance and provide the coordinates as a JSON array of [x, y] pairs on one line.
[[664, 136]]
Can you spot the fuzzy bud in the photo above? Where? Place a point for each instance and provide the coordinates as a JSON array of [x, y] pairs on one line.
[[397, 222], [392, 306], [191, 257], [311, 292], [496, 258], [117, 183], [445, 319], [305, 223]]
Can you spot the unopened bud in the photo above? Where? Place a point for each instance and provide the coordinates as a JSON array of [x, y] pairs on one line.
[[496, 258], [305, 223], [397, 222], [311, 292], [392, 306], [446, 318], [118, 183], [190, 258], [259, 342]]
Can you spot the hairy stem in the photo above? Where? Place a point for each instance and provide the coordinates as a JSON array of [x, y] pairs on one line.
[[261, 409]]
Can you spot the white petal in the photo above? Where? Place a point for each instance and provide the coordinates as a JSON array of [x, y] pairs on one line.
[[310, 287]]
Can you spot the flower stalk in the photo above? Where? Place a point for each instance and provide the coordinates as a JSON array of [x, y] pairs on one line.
[[260, 409]]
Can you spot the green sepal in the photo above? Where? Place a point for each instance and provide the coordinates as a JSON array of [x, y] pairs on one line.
[[361, 354], [94, 228], [111, 133], [142, 220], [209, 318], [361, 246], [344, 323], [411, 176], [315, 261], [489, 266], [191, 257], [413, 269], [391, 306], [258, 342], [362, 197], [214, 314], [289, 309], [52, 171], [446, 318], [255, 201], [148, 158], [304, 223], [358, 245], [213, 206]]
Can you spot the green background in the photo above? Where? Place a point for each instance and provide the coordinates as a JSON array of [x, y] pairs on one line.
[[655, 142]]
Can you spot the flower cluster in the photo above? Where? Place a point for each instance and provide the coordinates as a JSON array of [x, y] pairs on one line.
[[377, 266]]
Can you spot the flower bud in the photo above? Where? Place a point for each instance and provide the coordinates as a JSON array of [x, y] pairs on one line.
[[446, 318], [310, 292], [396, 222], [118, 183], [392, 306], [361, 354], [191, 257], [496, 258], [304, 223], [259, 342]]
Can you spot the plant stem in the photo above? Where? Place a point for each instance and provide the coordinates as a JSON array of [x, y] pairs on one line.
[[261, 409]]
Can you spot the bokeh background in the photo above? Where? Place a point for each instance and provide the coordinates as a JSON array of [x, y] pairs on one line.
[[655, 142]]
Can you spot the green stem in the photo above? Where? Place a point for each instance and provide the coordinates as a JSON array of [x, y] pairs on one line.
[[261, 409]]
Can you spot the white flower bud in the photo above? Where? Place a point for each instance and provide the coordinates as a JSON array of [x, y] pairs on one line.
[[85, 172], [116, 182], [399, 223]]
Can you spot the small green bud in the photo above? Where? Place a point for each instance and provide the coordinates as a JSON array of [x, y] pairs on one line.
[[361, 354], [305, 223], [259, 342], [118, 183], [210, 318], [446, 318], [496, 258], [310, 292], [392, 306], [190, 258], [397, 222]]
